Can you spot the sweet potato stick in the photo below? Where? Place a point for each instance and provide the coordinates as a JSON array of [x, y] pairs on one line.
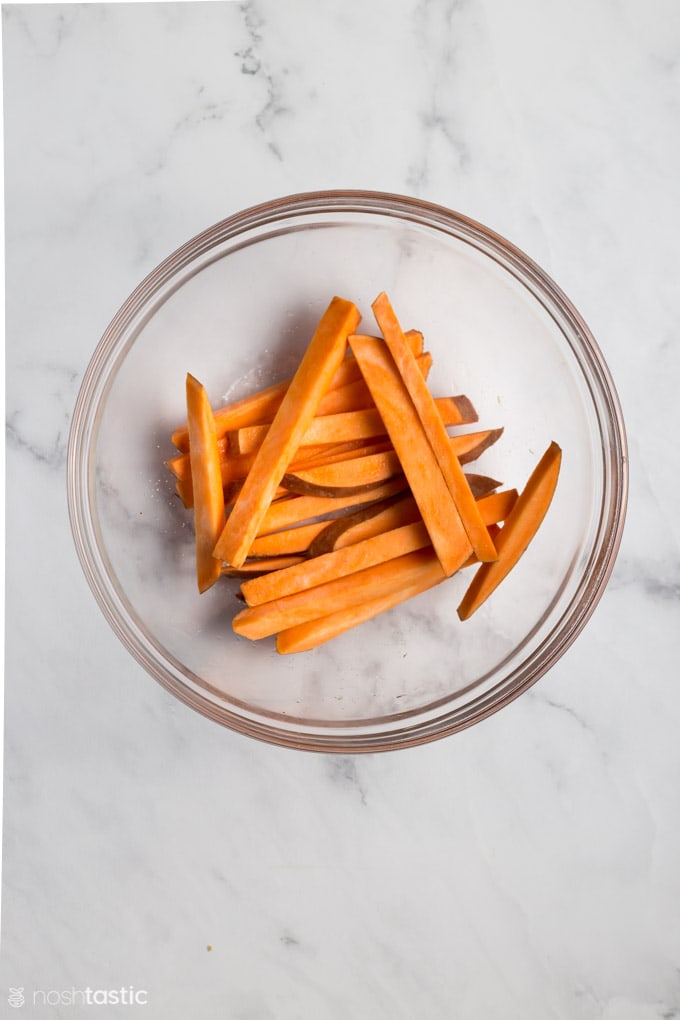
[[470, 446], [235, 467], [305, 636], [373, 519], [207, 482], [496, 506], [432, 424], [304, 509], [258, 407], [394, 513], [344, 477], [252, 409], [520, 527], [340, 563], [408, 437], [344, 419], [338, 477], [290, 541], [298, 407], [395, 574], [384, 545], [263, 565], [318, 506], [355, 395], [261, 406]]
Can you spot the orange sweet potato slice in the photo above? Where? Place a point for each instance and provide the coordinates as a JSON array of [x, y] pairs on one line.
[[394, 513], [366, 552], [517, 532], [372, 519], [433, 427], [340, 593], [258, 565], [470, 446], [420, 466], [235, 467], [344, 477], [296, 411], [480, 485], [285, 513], [341, 427], [289, 541], [207, 482], [306, 458], [346, 419], [257, 407], [262, 406], [356, 474], [303, 637], [339, 563]]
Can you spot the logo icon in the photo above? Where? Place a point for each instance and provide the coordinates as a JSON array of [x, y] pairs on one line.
[[16, 997]]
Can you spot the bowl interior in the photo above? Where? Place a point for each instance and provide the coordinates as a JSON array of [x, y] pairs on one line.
[[236, 308]]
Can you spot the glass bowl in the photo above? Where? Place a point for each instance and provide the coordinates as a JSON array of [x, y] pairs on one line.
[[236, 306]]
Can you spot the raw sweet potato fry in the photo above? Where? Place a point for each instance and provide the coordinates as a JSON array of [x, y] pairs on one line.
[[371, 519], [207, 482], [469, 446], [341, 427], [432, 425], [180, 463], [305, 636], [344, 477], [346, 419], [394, 513], [339, 563], [296, 411], [248, 411], [480, 485], [185, 491], [289, 541], [260, 407], [303, 509], [409, 439], [520, 527], [355, 395], [328, 453], [235, 467], [258, 565], [304, 460], [340, 477], [349, 559], [495, 506], [231, 469], [341, 593], [458, 410]]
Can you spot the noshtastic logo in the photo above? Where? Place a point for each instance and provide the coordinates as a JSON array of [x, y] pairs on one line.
[[16, 997], [124, 996]]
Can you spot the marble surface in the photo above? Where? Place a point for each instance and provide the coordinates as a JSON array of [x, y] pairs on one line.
[[526, 868]]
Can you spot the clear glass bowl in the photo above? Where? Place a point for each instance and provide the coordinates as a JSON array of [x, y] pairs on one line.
[[235, 307]]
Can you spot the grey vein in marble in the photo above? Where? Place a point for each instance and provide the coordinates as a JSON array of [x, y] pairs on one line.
[[255, 65]]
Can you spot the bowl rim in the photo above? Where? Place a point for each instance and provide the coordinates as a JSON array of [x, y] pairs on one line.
[[400, 207]]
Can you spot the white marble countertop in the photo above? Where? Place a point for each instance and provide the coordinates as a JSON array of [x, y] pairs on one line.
[[525, 869]]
